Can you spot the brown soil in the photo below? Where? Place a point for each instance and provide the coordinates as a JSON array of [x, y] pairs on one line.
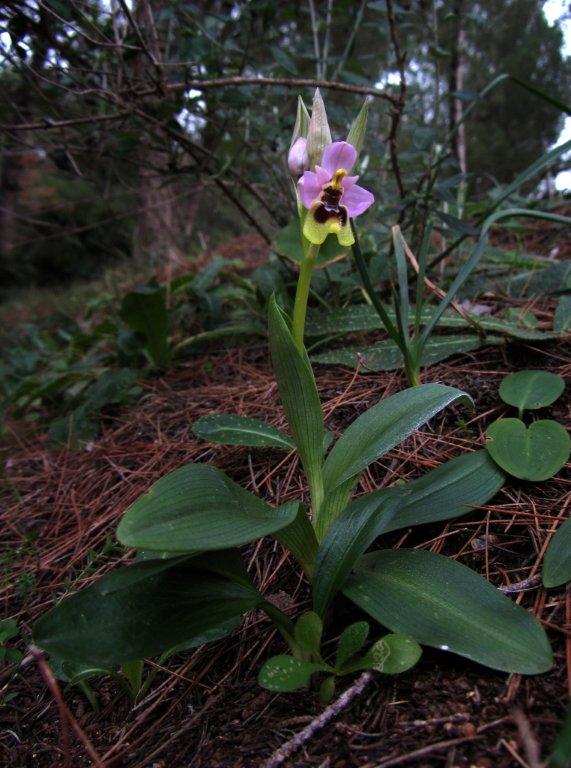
[[205, 709]]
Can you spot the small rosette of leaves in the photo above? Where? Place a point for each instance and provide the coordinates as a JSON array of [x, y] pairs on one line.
[[392, 654]]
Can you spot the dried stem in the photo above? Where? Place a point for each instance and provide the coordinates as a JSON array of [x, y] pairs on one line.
[[290, 747]]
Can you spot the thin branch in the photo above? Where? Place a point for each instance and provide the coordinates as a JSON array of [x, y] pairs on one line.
[[327, 39], [351, 40], [398, 105], [49, 124], [223, 82], [290, 747], [290, 82], [315, 35], [37, 655]]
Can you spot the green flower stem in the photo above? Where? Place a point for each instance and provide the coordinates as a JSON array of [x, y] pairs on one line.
[[302, 294]]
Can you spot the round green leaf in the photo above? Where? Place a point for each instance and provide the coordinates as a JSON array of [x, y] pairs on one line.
[[394, 654], [557, 564], [198, 508], [528, 390], [444, 604], [533, 453]]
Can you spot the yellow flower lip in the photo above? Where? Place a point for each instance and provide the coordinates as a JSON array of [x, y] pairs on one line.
[[336, 181]]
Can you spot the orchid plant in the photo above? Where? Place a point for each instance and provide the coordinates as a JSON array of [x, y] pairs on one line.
[[188, 584]]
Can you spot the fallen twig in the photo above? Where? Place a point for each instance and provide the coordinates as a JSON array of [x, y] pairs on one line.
[[67, 719], [287, 750]]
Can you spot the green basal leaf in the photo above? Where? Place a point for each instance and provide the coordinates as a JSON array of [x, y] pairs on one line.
[[446, 492], [533, 453], [441, 603], [386, 356], [119, 619], [299, 398], [145, 311], [284, 673], [352, 639], [308, 631], [385, 425], [197, 508], [557, 563], [299, 536], [528, 390], [231, 429], [345, 541]]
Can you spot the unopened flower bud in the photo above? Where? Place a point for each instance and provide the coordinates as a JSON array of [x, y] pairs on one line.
[[297, 159], [319, 135]]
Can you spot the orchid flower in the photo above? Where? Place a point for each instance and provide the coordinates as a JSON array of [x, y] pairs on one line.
[[327, 196], [331, 196]]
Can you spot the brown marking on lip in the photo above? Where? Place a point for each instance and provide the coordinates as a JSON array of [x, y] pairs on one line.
[[322, 213]]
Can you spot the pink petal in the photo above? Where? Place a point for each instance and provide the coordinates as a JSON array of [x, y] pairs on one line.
[[309, 188], [322, 175], [338, 155], [357, 199], [348, 182]]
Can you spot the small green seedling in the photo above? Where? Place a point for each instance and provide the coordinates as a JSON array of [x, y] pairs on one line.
[[536, 452], [391, 655]]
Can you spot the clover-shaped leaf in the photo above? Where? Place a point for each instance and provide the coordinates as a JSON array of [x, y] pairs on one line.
[[532, 453]]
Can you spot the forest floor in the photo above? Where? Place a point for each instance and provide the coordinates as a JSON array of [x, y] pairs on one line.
[[205, 709]]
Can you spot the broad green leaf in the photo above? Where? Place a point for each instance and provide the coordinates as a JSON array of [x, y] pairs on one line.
[[121, 619], [345, 541], [532, 453], [308, 631], [386, 356], [197, 508], [392, 654], [444, 493], [557, 563], [528, 390], [231, 429], [299, 396], [228, 333], [363, 317], [562, 317], [352, 639], [444, 604], [284, 673], [145, 311], [385, 425]]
